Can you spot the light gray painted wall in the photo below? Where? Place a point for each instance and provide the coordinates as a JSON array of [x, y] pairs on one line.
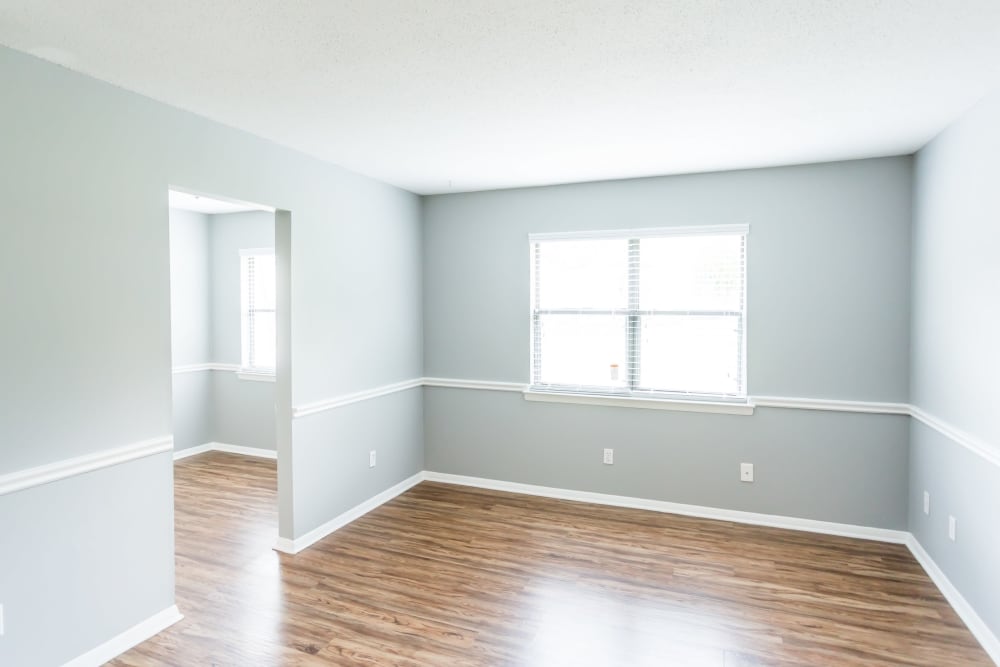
[[956, 326], [212, 405], [328, 441], [962, 485], [84, 174], [849, 468], [242, 410], [828, 276], [230, 233], [283, 376], [190, 309], [190, 326], [956, 314], [193, 409], [83, 559]]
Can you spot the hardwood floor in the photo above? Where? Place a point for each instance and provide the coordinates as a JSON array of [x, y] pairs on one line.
[[448, 575]]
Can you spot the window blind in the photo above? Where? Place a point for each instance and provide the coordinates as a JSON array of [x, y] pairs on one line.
[[257, 299], [659, 312]]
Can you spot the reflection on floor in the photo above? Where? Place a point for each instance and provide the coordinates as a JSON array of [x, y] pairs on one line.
[[446, 575]]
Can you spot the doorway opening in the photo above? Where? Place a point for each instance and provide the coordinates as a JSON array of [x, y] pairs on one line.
[[230, 325]]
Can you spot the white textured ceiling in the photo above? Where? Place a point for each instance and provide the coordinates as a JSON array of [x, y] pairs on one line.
[[454, 95]]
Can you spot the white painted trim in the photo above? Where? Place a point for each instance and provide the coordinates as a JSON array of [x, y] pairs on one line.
[[752, 401], [192, 451], [134, 636], [247, 206], [640, 402], [191, 368], [700, 511], [967, 440], [976, 625], [347, 399], [831, 405], [641, 233], [721, 407], [209, 366], [256, 376], [78, 465], [285, 546], [259, 452], [451, 383], [315, 535]]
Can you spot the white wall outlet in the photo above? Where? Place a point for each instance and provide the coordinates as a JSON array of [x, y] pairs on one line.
[[371, 459], [1, 620], [746, 472], [609, 457], [927, 502], [951, 528]]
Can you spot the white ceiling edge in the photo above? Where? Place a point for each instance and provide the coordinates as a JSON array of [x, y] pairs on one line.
[[199, 203], [441, 96], [515, 184]]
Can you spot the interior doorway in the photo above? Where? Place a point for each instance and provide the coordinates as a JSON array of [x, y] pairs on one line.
[[230, 326]]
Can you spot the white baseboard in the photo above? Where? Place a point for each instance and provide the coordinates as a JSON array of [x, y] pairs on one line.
[[132, 637], [229, 449], [191, 451], [288, 546], [245, 451], [700, 511], [976, 625]]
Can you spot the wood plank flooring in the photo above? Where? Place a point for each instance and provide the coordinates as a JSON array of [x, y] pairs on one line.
[[448, 575]]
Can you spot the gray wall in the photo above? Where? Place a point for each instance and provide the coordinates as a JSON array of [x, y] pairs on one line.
[[190, 299], [84, 559], [373, 271], [215, 405], [242, 410], [848, 468], [84, 174], [190, 326], [193, 397], [231, 232], [828, 276], [956, 327], [328, 437]]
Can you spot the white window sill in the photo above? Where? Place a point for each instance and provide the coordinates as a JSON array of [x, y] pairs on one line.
[[717, 407], [255, 375]]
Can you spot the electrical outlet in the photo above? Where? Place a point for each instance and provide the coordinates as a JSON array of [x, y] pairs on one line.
[[927, 503], [1, 620], [371, 459], [609, 457], [746, 472], [951, 528]]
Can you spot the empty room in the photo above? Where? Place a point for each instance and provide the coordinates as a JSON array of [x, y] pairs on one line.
[[499, 333]]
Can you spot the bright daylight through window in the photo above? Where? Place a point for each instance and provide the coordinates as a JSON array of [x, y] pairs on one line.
[[651, 313], [257, 306]]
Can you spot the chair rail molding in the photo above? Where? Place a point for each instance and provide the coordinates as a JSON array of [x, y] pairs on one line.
[[78, 465]]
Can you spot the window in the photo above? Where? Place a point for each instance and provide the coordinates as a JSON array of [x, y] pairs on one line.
[[257, 301], [649, 313]]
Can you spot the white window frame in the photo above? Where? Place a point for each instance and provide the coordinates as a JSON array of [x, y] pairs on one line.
[[632, 396], [248, 370]]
